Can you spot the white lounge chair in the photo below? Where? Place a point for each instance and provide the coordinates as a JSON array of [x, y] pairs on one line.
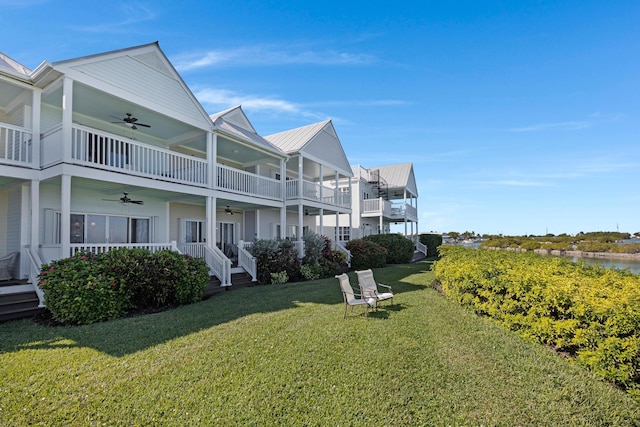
[[5, 265], [351, 298], [369, 287]]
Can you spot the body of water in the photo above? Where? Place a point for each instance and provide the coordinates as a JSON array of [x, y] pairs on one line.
[[631, 265]]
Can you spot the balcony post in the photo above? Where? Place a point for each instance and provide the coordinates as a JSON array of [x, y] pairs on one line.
[[36, 96], [67, 119], [65, 217], [212, 149]]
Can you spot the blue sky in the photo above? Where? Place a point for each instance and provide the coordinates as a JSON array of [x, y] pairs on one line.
[[520, 117]]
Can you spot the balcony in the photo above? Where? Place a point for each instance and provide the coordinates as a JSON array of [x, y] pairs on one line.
[[15, 145], [241, 182], [386, 209], [317, 193]]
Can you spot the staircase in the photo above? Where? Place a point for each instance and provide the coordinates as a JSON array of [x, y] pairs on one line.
[[238, 280], [379, 184], [18, 300]]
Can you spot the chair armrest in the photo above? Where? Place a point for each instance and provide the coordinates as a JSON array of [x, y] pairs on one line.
[[385, 286]]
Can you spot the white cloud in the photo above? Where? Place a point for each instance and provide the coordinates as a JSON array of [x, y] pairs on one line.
[[573, 125], [134, 13], [221, 99], [268, 55]]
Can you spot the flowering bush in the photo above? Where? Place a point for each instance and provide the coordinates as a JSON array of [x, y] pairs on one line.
[[77, 290], [366, 254], [88, 288]]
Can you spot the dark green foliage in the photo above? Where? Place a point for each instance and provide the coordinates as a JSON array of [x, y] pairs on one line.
[[399, 248], [78, 290], [89, 288], [366, 254], [275, 256], [314, 245], [431, 241]]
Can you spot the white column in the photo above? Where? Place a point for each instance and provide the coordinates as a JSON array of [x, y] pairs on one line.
[[35, 128], [321, 181], [212, 149], [65, 216], [211, 221], [67, 121], [35, 216], [321, 218]]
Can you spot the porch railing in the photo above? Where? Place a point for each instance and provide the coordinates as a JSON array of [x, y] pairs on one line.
[[98, 248], [219, 264], [387, 209], [246, 260], [15, 145], [311, 191], [112, 152], [239, 181]]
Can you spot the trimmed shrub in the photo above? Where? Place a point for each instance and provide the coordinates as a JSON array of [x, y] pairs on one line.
[[589, 312], [399, 248], [88, 288], [366, 254], [275, 256], [431, 241], [77, 290]]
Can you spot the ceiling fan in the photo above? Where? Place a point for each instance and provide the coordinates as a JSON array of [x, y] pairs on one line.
[[125, 200], [228, 210], [130, 121]]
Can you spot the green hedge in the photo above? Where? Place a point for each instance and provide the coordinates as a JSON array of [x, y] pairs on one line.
[[88, 288], [590, 312], [432, 242], [399, 248], [366, 254]]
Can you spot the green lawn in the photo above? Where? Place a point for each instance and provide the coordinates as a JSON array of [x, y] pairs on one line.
[[283, 354]]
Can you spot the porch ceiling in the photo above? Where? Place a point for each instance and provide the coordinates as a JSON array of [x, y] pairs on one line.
[[97, 109], [8, 93]]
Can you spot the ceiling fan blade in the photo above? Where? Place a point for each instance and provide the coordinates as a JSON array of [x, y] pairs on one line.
[[143, 125], [136, 202], [112, 200], [116, 117]]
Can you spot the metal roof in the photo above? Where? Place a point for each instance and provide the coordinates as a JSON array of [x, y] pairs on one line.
[[399, 176], [318, 142]]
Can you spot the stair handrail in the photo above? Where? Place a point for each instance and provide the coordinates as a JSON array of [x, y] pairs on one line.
[[345, 251], [219, 264], [246, 260], [35, 264], [421, 247]]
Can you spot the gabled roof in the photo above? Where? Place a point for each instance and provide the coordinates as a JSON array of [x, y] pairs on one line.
[[318, 142], [13, 67], [399, 176], [142, 74], [235, 123]]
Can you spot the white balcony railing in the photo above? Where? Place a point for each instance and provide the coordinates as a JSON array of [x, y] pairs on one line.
[[318, 193], [112, 152], [241, 182], [389, 210], [15, 145]]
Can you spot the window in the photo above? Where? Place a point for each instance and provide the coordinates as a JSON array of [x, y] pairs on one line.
[[344, 234], [92, 228], [195, 231]]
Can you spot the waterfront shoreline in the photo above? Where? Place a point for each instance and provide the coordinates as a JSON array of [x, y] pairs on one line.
[[577, 254]]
